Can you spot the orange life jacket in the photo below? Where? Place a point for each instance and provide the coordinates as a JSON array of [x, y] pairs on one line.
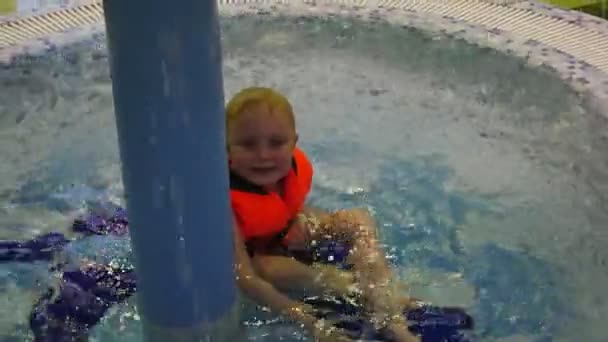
[[266, 216]]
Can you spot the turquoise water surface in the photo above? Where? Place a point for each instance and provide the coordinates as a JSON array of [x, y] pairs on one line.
[[453, 148]]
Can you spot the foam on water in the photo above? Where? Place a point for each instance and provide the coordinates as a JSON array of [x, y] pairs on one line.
[[470, 160]]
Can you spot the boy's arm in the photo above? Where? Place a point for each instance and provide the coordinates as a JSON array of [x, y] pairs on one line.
[[262, 291]]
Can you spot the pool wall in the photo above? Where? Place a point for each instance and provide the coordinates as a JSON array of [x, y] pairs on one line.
[[571, 43]]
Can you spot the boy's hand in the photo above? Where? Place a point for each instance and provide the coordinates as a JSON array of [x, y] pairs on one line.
[[321, 330], [299, 236], [325, 332]]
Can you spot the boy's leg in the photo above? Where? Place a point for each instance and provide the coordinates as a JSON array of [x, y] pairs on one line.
[[374, 276], [287, 273], [357, 228]]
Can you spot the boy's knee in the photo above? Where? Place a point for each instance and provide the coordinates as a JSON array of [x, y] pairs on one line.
[[355, 217], [362, 214]]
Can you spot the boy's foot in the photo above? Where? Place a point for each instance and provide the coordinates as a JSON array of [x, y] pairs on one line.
[[400, 333], [387, 307]]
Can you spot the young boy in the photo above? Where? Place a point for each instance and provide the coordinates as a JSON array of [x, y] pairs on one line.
[[270, 178]]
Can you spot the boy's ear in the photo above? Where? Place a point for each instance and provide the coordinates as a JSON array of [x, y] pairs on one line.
[[296, 140]]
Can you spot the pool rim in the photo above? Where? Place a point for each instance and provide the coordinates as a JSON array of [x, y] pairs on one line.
[[508, 26]]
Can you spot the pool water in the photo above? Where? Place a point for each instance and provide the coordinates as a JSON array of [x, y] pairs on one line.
[[483, 173]]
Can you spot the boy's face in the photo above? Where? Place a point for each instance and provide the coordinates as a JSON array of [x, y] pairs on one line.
[[261, 145]]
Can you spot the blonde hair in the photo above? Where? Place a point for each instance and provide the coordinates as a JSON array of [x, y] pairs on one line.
[[253, 96]]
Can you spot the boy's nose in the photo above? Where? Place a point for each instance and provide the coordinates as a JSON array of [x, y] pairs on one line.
[[264, 152]]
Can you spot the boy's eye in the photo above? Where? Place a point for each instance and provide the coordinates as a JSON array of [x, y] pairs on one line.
[[250, 144], [277, 142], [246, 143]]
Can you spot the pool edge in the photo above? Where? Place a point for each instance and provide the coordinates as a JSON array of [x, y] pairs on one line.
[[521, 28]]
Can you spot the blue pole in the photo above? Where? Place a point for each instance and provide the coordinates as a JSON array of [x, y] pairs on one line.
[[165, 62]]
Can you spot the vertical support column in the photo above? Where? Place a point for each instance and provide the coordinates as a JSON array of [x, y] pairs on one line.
[[165, 62]]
